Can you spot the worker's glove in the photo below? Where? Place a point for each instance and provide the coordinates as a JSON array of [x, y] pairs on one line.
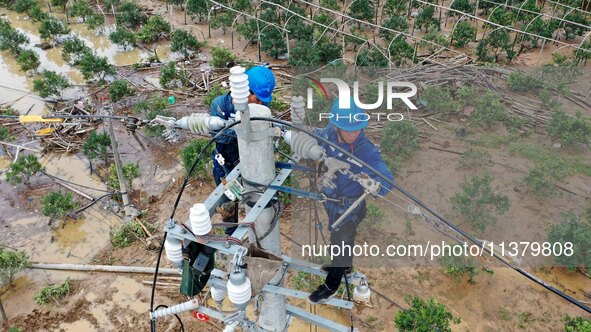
[[370, 185], [170, 133]]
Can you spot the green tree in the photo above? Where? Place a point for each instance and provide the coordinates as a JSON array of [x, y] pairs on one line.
[[60, 3], [489, 110], [569, 130], [119, 89], [123, 37], [185, 43], [222, 21], [190, 152], [400, 51], [28, 60], [11, 263], [220, 57], [304, 54], [24, 6], [435, 37], [502, 17], [57, 206], [395, 22], [96, 146], [400, 139], [95, 20], [197, 8], [50, 84], [459, 266], [424, 316], [37, 14], [80, 8], [154, 29], [577, 231], [171, 76], [543, 177], [11, 39], [439, 99], [130, 14], [478, 203], [584, 53], [273, 42], [538, 27], [395, 7], [371, 57], [23, 169], [572, 30], [496, 43], [362, 10], [74, 49], [463, 34], [328, 51], [94, 66], [298, 28], [425, 19], [464, 6], [52, 28]]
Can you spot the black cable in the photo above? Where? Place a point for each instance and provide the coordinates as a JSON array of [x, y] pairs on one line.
[[433, 212], [176, 203], [175, 315], [81, 185]]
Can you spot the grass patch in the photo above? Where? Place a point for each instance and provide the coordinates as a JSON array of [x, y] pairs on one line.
[[493, 141], [53, 293], [540, 153]]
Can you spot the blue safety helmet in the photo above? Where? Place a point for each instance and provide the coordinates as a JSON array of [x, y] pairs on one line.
[[348, 119], [261, 82]]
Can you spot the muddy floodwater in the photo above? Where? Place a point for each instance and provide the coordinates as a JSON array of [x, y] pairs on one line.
[[16, 86]]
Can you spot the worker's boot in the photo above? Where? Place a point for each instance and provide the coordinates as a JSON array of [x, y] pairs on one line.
[[321, 295]]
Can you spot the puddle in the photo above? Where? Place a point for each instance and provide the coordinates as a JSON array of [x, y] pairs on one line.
[[19, 284], [82, 325], [126, 295], [16, 86]]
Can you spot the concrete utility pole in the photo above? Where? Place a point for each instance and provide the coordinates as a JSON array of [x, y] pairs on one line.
[[257, 164], [122, 184]]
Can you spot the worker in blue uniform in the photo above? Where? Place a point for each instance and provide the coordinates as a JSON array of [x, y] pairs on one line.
[[346, 130], [261, 82]]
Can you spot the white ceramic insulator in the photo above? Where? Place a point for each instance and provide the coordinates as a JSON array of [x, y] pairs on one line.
[[174, 251], [197, 123], [200, 220], [305, 146], [362, 293], [239, 89], [218, 295], [175, 309], [298, 110], [239, 294]]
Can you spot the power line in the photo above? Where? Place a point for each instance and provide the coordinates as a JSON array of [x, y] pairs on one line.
[[379, 26], [502, 26], [537, 13]]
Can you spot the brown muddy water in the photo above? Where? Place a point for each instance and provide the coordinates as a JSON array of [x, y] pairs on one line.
[[16, 86]]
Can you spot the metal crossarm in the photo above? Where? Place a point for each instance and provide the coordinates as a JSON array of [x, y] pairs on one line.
[[315, 319]]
